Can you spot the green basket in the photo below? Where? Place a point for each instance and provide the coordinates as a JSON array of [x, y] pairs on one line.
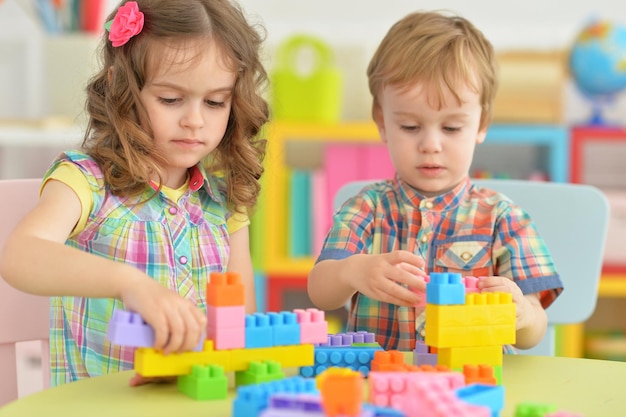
[[306, 96]]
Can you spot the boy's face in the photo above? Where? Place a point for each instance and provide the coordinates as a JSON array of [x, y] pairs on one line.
[[431, 148]]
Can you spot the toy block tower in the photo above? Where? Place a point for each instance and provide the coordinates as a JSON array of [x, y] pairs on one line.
[[467, 327], [226, 311]]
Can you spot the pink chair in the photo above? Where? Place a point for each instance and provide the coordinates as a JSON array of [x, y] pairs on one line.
[[23, 317]]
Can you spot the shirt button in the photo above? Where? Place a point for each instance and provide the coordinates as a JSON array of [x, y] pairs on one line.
[[173, 210], [429, 205], [183, 260], [424, 239], [466, 256]]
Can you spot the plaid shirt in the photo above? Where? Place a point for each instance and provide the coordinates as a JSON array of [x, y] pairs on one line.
[[469, 230], [178, 243]]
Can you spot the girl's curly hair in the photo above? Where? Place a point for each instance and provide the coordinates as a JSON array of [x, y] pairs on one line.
[[116, 137]]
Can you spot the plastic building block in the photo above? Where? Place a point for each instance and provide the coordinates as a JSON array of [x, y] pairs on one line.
[[383, 411], [227, 337], [456, 357], [342, 392], [420, 347], [259, 372], [392, 360], [149, 362], [433, 398], [387, 388], [471, 284], [287, 356], [129, 329], [479, 374], [289, 404], [313, 326], [350, 338], [225, 290], [258, 331], [445, 289], [285, 328], [529, 409], [252, 399], [228, 316], [487, 319], [357, 359], [484, 395], [204, 383]]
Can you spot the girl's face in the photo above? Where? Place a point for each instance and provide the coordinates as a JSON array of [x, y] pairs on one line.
[[188, 100]]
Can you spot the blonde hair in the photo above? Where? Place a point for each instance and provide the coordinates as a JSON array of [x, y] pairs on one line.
[[116, 137], [440, 51]]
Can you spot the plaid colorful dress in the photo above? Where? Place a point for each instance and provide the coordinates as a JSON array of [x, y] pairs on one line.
[[469, 230], [178, 243]]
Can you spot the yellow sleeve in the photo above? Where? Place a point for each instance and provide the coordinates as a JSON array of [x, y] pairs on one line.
[[70, 175], [237, 221]]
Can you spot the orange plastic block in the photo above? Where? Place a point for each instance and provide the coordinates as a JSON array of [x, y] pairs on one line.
[[224, 290], [342, 392], [479, 374], [390, 361]]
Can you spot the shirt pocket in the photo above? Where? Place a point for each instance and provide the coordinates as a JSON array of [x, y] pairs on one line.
[[468, 258]]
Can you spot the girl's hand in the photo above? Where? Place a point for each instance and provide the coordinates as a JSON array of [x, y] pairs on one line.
[[524, 309], [138, 380], [177, 322], [385, 277]]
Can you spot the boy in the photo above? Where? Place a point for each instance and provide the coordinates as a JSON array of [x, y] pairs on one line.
[[433, 81]]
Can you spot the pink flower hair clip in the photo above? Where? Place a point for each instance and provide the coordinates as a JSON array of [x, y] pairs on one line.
[[128, 22]]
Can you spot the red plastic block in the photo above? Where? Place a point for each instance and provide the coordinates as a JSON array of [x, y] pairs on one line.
[[225, 290]]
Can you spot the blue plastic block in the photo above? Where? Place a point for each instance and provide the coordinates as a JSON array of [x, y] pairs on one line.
[[491, 396], [259, 333], [383, 411], [445, 289], [356, 358], [285, 327], [252, 399]]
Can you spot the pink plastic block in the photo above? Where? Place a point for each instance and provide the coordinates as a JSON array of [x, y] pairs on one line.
[[432, 398], [227, 337], [227, 316], [313, 325], [471, 284], [422, 295], [387, 389]]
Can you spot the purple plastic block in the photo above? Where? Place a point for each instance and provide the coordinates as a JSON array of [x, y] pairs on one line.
[[127, 328], [420, 347], [299, 405], [347, 339]]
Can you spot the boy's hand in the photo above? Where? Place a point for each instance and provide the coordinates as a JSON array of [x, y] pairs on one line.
[[524, 308], [177, 322], [378, 276]]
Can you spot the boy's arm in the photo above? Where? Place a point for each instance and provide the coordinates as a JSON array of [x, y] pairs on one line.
[[384, 277], [240, 261]]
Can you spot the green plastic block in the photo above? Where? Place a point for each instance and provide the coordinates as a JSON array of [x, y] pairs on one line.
[[259, 372], [204, 383]]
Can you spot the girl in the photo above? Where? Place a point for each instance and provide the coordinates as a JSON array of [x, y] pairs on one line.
[[156, 198]]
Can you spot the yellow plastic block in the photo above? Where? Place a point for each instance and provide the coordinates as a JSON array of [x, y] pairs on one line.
[[456, 357], [287, 356], [149, 362], [485, 319]]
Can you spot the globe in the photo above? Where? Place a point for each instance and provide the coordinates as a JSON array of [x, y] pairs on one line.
[[597, 62]]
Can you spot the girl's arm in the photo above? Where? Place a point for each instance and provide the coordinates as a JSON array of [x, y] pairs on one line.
[[240, 262], [36, 260]]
